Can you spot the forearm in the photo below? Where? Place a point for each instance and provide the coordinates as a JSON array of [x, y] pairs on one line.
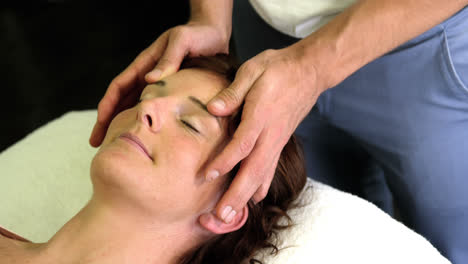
[[215, 12], [367, 30]]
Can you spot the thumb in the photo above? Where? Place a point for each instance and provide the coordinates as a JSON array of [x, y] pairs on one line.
[[232, 97], [169, 63]]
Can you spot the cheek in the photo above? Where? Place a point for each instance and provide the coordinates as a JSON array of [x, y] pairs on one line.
[[188, 191], [182, 150]]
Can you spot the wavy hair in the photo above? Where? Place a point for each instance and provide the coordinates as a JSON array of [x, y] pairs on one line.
[[261, 228]]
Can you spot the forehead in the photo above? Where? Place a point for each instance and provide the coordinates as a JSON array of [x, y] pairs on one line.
[[200, 83]]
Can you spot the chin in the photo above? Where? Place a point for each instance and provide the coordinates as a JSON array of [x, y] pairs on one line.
[[121, 178], [114, 168]]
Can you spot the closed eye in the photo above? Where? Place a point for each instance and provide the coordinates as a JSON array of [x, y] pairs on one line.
[[189, 126]]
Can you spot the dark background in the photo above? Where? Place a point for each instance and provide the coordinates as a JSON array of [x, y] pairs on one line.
[[58, 56]]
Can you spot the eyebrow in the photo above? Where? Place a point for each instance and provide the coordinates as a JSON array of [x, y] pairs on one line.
[[203, 106]]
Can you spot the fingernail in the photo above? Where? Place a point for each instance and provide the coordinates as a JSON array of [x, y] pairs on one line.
[[219, 104], [154, 74], [211, 175], [230, 217], [226, 212]]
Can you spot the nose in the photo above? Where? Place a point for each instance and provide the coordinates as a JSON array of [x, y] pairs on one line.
[[150, 114]]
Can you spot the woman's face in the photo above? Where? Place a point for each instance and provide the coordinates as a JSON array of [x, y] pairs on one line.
[[154, 154]]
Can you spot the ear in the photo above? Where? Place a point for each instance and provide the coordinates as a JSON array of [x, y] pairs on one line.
[[212, 223]]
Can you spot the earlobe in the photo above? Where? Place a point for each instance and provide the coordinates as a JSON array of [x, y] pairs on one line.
[[212, 223]]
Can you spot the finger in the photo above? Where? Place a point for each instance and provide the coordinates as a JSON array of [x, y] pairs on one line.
[[143, 63], [107, 106], [97, 135], [125, 82], [172, 56], [230, 98], [262, 191], [128, 101], [247, 181], [100, 128], [242, 143], [106, 110]]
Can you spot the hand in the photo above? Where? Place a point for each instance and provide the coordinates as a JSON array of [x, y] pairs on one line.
[[168, 51], [279, 91]]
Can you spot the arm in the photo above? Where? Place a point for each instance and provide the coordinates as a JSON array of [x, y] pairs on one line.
[[367, 30], [357, 36], [217, 12]]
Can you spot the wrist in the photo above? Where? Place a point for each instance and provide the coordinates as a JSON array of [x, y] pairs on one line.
[[222, 30], [217, 36], [316, 63], [332, 53], [216, 14]]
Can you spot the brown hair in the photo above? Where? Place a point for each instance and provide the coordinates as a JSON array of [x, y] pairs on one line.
[[261, 227]]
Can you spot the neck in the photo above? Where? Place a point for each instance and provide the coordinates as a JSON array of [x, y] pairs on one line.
[[105, 234]]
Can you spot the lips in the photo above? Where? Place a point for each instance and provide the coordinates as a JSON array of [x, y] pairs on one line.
[[134, 140]]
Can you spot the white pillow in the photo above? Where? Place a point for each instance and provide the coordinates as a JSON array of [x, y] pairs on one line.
[[45, 181]]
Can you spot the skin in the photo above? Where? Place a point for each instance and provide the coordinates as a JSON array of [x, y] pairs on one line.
[[307, 68], [146, 208]]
